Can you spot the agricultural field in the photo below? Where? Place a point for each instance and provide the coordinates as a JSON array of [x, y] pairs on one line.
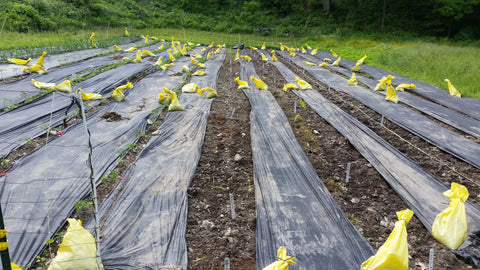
[[223, 183]]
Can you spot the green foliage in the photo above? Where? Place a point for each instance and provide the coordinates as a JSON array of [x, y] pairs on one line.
[[113, 175], [282, 17], [302, 103], [82, 205]]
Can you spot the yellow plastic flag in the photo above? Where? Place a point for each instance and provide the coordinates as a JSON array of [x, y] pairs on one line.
[[283, 261], [393, 254], [450, 226], [77, 250]]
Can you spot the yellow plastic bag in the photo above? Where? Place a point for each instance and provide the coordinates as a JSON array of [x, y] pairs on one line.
[[131, 49], [450, 226], [391, 94], [289, 86], [356, 67], [89, 96], [164, 67], [264, 58], [393, 254], [309, 63], [65, 87], [259, 83], [402, 86], [199, 73], [19, 61], [352, 80], [361, 60], [118, 94], [242, 84], [274, 57], [333, 53], [77, 250], [303, 84], [337, 61], [211, 93], [15, 267], [138, 57], [190, 88], [283, 261], [44, 86], [453, 91]]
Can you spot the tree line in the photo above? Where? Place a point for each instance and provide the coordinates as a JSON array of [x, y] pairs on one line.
[[456, 19]]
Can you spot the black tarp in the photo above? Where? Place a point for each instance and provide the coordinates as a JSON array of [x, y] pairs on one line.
[[19, 90], [143, 221], [445, 139], [55, 60], [421, 191], [25, 122], [468, 106], [39, 193], [294, 208], [451, 117]]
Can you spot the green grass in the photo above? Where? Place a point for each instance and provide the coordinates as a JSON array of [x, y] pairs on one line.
[[421, 60], [19, 45]]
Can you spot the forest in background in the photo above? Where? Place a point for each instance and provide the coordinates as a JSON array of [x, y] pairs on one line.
[[457, 20]]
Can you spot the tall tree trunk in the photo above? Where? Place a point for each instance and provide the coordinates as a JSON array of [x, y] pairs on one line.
[[327, 5], [383, 15]]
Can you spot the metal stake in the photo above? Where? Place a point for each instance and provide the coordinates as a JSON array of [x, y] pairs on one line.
[[92, 183], [4, 253], [347, 177], [232, 206]]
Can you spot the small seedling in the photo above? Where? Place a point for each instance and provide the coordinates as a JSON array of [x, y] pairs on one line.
[[27, 140], [3, 162], [302, 103], [139, 132], [82, 205], [57, 236], [112, 175], [213, 184], [199, 259], [45, 127], [352, 219], [296, 117]]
